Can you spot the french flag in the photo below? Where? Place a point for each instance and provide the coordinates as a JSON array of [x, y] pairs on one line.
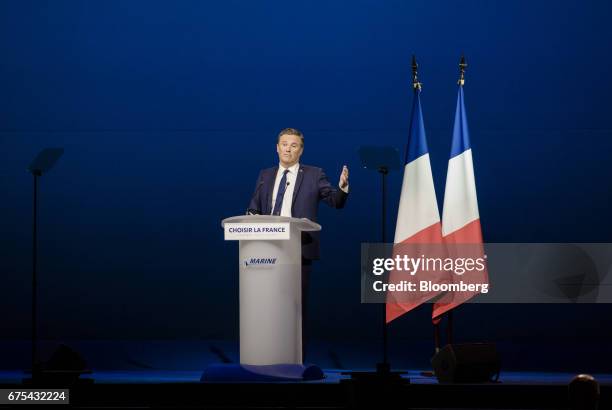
[[418, 218], [460, 217]]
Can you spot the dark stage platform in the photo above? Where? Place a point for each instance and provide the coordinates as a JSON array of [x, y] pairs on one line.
[[515, 390], [165, 373]]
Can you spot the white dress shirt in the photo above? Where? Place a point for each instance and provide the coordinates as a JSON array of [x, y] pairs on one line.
[[288, 197]]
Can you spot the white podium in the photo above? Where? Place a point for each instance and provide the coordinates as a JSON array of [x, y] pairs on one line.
[[270, 261]]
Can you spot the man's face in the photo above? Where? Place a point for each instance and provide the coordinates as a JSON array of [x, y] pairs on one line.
[[289, 149]]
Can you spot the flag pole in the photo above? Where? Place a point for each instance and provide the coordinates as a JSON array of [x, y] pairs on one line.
[[449, 329], [417, 86], [449, 315], [385, 366], [462, 66]]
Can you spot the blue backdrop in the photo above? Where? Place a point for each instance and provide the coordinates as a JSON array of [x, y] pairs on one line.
[[167, 110]]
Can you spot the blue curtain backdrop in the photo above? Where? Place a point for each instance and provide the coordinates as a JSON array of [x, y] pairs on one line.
[[167, 110]]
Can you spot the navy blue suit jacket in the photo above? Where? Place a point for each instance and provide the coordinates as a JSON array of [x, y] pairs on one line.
[[311, 186]]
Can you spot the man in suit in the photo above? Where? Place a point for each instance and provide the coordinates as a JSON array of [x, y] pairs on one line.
[[295, 190]]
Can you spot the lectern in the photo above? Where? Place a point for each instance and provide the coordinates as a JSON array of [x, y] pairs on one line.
[[270, 269]]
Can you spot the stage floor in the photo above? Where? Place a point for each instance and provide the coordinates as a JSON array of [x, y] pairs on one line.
[[332, 376], [155, 388], [167, 373]]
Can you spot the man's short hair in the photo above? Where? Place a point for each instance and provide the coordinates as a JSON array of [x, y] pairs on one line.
[[291, 131]]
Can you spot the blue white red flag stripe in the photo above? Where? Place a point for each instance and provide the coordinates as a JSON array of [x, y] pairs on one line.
[[460, 216], [418, 218]]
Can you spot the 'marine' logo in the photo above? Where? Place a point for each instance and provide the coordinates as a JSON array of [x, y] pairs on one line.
[[259, 261]]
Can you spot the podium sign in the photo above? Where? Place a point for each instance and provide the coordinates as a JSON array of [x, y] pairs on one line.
[[252, 231]]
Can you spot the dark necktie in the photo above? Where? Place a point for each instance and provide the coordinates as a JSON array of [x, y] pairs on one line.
[[282, 187]]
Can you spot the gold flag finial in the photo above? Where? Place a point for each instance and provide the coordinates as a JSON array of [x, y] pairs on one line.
[[462, 67], [415, 79]]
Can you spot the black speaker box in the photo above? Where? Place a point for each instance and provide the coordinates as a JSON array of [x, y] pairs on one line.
[[467, 363]]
